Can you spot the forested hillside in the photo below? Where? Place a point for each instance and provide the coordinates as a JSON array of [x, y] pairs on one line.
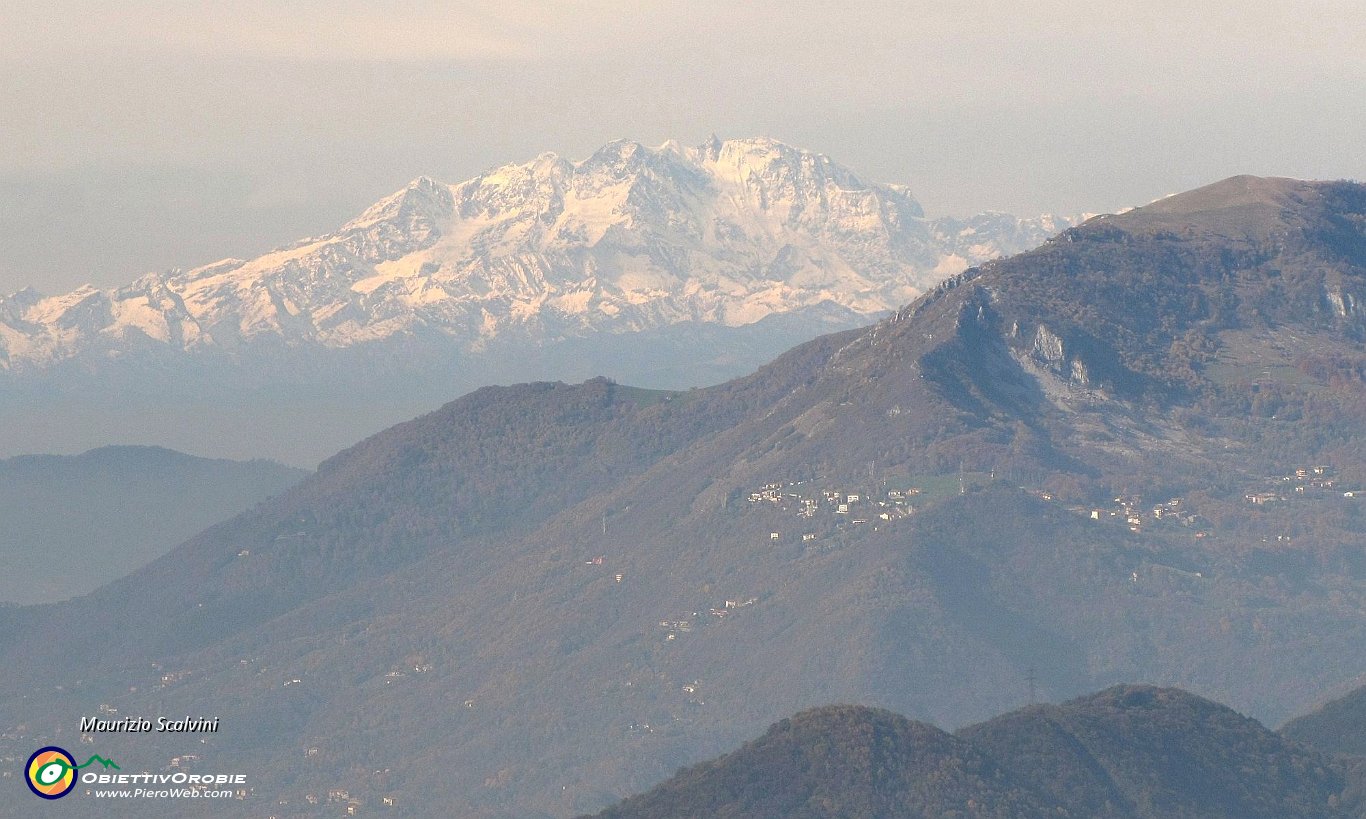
[[1129, 752], [1133, 454]]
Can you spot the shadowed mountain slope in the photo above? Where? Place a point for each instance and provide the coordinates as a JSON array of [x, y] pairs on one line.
[[840, 761], [1130, 752], [1133, 453], [1139, 751], [1337, 727]]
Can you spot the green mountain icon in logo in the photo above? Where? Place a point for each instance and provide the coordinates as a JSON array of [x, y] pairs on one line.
[[107, 763]]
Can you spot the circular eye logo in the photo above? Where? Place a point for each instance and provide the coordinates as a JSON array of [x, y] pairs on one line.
[[51, 772]]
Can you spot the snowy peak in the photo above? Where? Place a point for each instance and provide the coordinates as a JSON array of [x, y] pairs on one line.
[[424, 204], [778, 169], [630, 238]]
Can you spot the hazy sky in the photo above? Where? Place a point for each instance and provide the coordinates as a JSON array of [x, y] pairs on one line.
[[142, 135]]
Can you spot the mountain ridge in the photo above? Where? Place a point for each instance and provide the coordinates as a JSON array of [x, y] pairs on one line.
[[1199, 760], [1118, 456], [627, 239], [1336, 727]]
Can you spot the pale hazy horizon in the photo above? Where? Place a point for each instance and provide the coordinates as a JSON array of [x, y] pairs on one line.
[[157, 136]]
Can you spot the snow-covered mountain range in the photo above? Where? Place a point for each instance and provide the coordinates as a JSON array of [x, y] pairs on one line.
[[631, 239]]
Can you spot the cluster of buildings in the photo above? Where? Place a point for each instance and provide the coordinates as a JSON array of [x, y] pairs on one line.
[[838, 506], [1133, 513], [673, 629], [1305, 480], [347, 803]]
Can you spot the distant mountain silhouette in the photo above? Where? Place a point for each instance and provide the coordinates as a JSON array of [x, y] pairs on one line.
[[73, 523]]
